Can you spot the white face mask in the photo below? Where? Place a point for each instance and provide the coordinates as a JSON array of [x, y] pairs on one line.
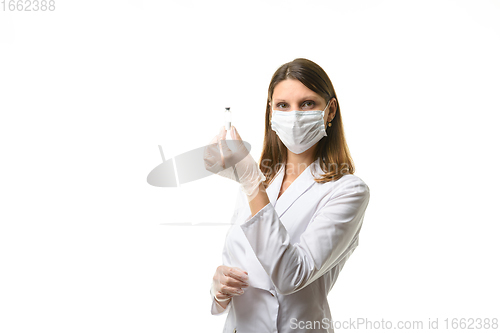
[[299, 130]]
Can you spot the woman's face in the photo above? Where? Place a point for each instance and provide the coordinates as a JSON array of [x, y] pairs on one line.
[[291, 95]]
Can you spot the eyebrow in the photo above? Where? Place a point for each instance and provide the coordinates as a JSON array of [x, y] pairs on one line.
[[308, 97]]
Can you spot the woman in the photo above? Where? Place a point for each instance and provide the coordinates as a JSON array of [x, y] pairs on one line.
[[301, 210]]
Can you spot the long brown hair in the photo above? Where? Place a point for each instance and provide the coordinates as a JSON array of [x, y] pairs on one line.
[[335, 159]]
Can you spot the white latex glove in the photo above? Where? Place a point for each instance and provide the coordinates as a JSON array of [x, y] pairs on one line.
[[236, 164], [228, 282]]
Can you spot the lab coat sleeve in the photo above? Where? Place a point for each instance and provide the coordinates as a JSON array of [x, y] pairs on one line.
[[218, 310], [323, 244]]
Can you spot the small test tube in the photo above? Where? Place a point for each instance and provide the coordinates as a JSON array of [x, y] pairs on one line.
[[227, 119]]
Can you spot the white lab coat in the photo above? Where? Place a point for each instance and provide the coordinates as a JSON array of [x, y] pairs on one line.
[[293, 250]]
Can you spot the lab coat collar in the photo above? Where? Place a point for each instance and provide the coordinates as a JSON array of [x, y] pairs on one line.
[[300, 185]]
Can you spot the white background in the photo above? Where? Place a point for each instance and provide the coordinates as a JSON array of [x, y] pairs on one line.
[[89, 91]]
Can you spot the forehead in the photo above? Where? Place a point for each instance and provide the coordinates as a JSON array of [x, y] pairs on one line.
[[291, 89]]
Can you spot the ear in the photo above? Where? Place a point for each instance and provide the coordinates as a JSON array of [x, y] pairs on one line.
[[333, 109]]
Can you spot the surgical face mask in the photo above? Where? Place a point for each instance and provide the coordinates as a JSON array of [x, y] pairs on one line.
[[299, 130]]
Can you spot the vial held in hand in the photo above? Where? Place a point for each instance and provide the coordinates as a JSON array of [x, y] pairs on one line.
[[227, 119]]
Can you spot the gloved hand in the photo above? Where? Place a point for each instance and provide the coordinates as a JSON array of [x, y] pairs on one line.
[[236, 164], [228, 282]]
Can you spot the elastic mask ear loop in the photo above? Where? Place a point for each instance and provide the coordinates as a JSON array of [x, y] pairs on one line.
[[327, 105]]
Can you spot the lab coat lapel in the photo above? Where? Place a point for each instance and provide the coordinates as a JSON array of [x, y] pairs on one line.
[[300, 185], [275, 186]]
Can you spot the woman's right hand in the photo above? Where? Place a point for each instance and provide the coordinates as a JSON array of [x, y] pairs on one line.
[[228, 282], [234, 163]]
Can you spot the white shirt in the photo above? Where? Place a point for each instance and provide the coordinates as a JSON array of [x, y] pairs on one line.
[[293, 250]]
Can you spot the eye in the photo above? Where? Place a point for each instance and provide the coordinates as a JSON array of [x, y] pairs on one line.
[[281, 105], [308, 104]]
